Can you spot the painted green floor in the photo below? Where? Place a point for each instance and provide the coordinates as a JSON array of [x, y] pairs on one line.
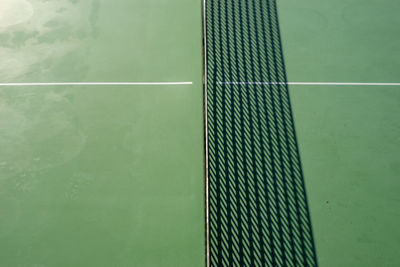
[[348, 136], [110, 175], [101, 175]]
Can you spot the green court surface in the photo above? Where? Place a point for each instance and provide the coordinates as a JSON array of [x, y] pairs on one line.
[[102, 174], [349, 136]]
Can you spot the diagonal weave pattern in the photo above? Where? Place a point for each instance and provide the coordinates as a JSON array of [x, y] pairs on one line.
[[258, 214]]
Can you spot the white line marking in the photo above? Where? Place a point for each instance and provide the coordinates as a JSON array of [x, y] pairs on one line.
[[312, 83], [94, 83]]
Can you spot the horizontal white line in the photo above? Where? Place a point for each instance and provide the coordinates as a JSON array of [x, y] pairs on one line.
[[94, 83], [312, 83]]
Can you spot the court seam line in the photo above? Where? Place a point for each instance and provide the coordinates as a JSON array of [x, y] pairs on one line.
[[312, 83], [92, 83]]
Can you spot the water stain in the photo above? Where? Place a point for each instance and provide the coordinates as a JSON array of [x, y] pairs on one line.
[[14, 12], [52, 31], [38, 130]]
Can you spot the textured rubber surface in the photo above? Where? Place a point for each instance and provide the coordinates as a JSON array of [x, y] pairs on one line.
[[258, 214]]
